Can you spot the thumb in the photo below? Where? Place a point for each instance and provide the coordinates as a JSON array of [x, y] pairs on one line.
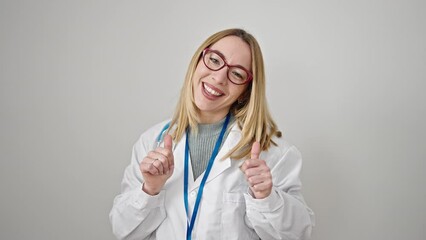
[[168, 143], [255, 150]]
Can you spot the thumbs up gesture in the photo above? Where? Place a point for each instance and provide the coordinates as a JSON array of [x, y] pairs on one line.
[[257, 173], [157, 167]]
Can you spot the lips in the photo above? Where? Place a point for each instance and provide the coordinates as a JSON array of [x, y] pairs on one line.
[[211, 92]]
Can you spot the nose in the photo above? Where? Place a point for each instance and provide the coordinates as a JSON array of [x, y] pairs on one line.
[[221, 76]]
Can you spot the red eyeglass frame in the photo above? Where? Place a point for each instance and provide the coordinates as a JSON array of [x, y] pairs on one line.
[[249, 74]]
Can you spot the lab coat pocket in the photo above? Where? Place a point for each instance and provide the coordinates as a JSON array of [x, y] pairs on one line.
[[233, 224]]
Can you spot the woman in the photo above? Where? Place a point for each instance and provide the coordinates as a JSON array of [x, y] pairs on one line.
[[222, 170]]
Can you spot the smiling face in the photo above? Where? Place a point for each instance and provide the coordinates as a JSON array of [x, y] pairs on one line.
[[213, 92]]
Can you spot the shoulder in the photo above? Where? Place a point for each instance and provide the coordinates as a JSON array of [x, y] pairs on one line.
[[285, 162], [282, 145], [283, 151]]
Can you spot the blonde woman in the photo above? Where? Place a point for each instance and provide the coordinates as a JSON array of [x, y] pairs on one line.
[[220, 168]]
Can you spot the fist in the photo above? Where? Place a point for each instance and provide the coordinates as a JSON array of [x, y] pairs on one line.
[[257, 173], [157, 167]]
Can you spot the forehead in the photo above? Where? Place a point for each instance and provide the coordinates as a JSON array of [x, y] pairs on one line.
[[235, 50]]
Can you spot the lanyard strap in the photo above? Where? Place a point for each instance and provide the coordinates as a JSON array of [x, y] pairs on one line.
[[191, 221]]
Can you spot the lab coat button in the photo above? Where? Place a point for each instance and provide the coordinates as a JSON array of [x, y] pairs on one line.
[[193, 193]]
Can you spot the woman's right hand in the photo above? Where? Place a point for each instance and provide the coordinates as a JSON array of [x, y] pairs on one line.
[[157, 167]]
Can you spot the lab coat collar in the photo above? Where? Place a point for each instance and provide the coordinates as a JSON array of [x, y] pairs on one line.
[[219, 165]]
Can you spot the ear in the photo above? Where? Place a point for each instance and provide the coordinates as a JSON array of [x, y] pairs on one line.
[[240, 100], [245, 96]]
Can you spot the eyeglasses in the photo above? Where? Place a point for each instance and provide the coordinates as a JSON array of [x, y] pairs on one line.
[[214, 60]]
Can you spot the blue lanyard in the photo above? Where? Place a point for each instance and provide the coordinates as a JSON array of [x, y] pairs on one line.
[[190, 223]]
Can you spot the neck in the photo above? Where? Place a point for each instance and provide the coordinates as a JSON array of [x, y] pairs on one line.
[[206, 118]]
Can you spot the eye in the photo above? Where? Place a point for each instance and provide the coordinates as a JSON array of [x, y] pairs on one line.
[[238, 74], [213, 59]]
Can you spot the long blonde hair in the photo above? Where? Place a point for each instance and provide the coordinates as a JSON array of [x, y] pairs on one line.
[[250, 111]]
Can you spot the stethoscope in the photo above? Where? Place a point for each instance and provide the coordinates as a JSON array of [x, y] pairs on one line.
[[161, 135]]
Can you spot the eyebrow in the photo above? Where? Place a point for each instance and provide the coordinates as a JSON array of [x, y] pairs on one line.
[[221, 54]]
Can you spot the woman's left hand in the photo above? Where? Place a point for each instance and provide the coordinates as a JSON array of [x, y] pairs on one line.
[[258, 174]]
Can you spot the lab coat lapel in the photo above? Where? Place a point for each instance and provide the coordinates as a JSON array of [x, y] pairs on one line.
[[219, 165], [179, 155]]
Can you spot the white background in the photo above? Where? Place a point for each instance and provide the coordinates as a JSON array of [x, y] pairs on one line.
[[81, 80]]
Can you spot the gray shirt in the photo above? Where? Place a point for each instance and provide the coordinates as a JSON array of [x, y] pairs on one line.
[[201, 145]]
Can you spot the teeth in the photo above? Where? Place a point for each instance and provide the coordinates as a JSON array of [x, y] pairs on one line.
[[211, 91]]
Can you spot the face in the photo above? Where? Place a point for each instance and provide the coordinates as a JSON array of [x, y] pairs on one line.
[[213, 92]]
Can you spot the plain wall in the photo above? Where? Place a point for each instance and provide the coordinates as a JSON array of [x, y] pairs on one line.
[[81, 80]]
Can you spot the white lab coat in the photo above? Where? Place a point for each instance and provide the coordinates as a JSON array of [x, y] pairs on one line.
[[227, 209]]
